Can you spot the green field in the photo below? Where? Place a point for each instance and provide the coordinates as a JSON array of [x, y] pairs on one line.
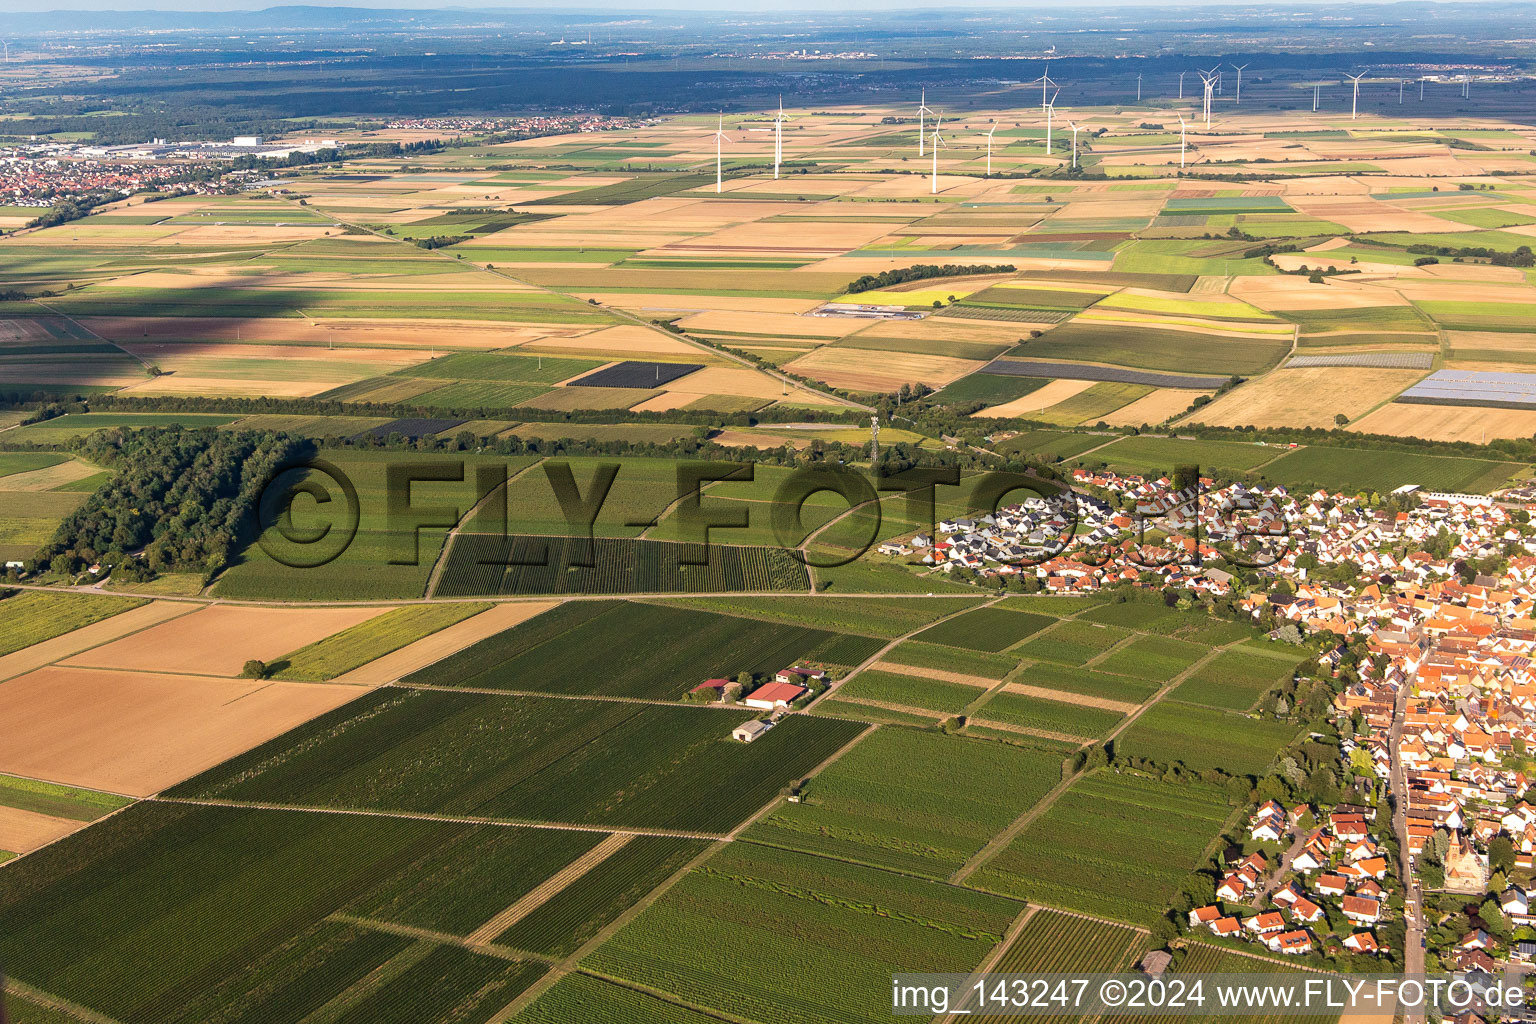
[[1091, 683], [1112, 845], [12, 463], [912, 692], [1159, 455], [582, 909], [1147, 348], [1074, 642], [627, 649], [581, 998], [351, 648], [1170, 732], [1234, 680], [29, 617], [57, 801], [529, 758], [376, 565], [916, 802], [1154, 658], [1361, 469], [845, 928], [128, 919], [1051, 716], [985, 629], [887, 617], [951, 659]]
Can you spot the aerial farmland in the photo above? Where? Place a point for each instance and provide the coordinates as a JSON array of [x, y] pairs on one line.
[[540, 523]]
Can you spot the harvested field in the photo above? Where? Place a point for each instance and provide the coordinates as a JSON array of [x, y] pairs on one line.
[[1306, 397], [1037, 401], [620, 342], [1160, 405], [24, 831], [95, 634], [219, 639], [139, 732], [854, 370], [428, 650], [1448, 422]]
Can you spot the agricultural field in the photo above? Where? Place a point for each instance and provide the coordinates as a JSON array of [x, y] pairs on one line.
[[985, 629], [518, 758], [1234, 680], [631, 649], [916, 802], [342, 652], [847, 928], [1077, 855], [86, 918], [1170, 732], [470, 780], [30, 618]]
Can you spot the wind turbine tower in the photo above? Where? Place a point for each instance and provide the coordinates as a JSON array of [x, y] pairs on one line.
[[1050, 111], [922, 113], [1046, 81], [778, 139], [938, 140], [1240, 68], [719, 139], [1354, 105]]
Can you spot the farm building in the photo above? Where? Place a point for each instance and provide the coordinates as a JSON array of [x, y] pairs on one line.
[[774, 695], [714, 688], [746, 732]]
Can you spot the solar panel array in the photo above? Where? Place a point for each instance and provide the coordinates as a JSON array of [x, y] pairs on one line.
[[1373, 360], [1466, 387]]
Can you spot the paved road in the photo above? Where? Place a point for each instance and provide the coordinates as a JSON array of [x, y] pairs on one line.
[[1413, 956]]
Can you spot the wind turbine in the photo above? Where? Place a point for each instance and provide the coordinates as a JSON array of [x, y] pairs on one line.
[[1210, 83], [1354, 105], [720, 137], [1050, 111], [938, 140], [1046, 81], [1181, 141], [922, 113], [1075, 129], [989, 149], [1240, 68], [778, 139]]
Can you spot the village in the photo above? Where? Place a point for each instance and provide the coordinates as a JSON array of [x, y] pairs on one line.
[[1435, 595]]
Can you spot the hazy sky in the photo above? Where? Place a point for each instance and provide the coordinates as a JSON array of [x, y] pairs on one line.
[[16, 6]]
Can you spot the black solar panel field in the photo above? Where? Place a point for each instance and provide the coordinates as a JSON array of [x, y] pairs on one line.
[[637, 374]]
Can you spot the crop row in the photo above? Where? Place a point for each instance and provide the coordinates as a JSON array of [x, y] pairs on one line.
[[488, 565]]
